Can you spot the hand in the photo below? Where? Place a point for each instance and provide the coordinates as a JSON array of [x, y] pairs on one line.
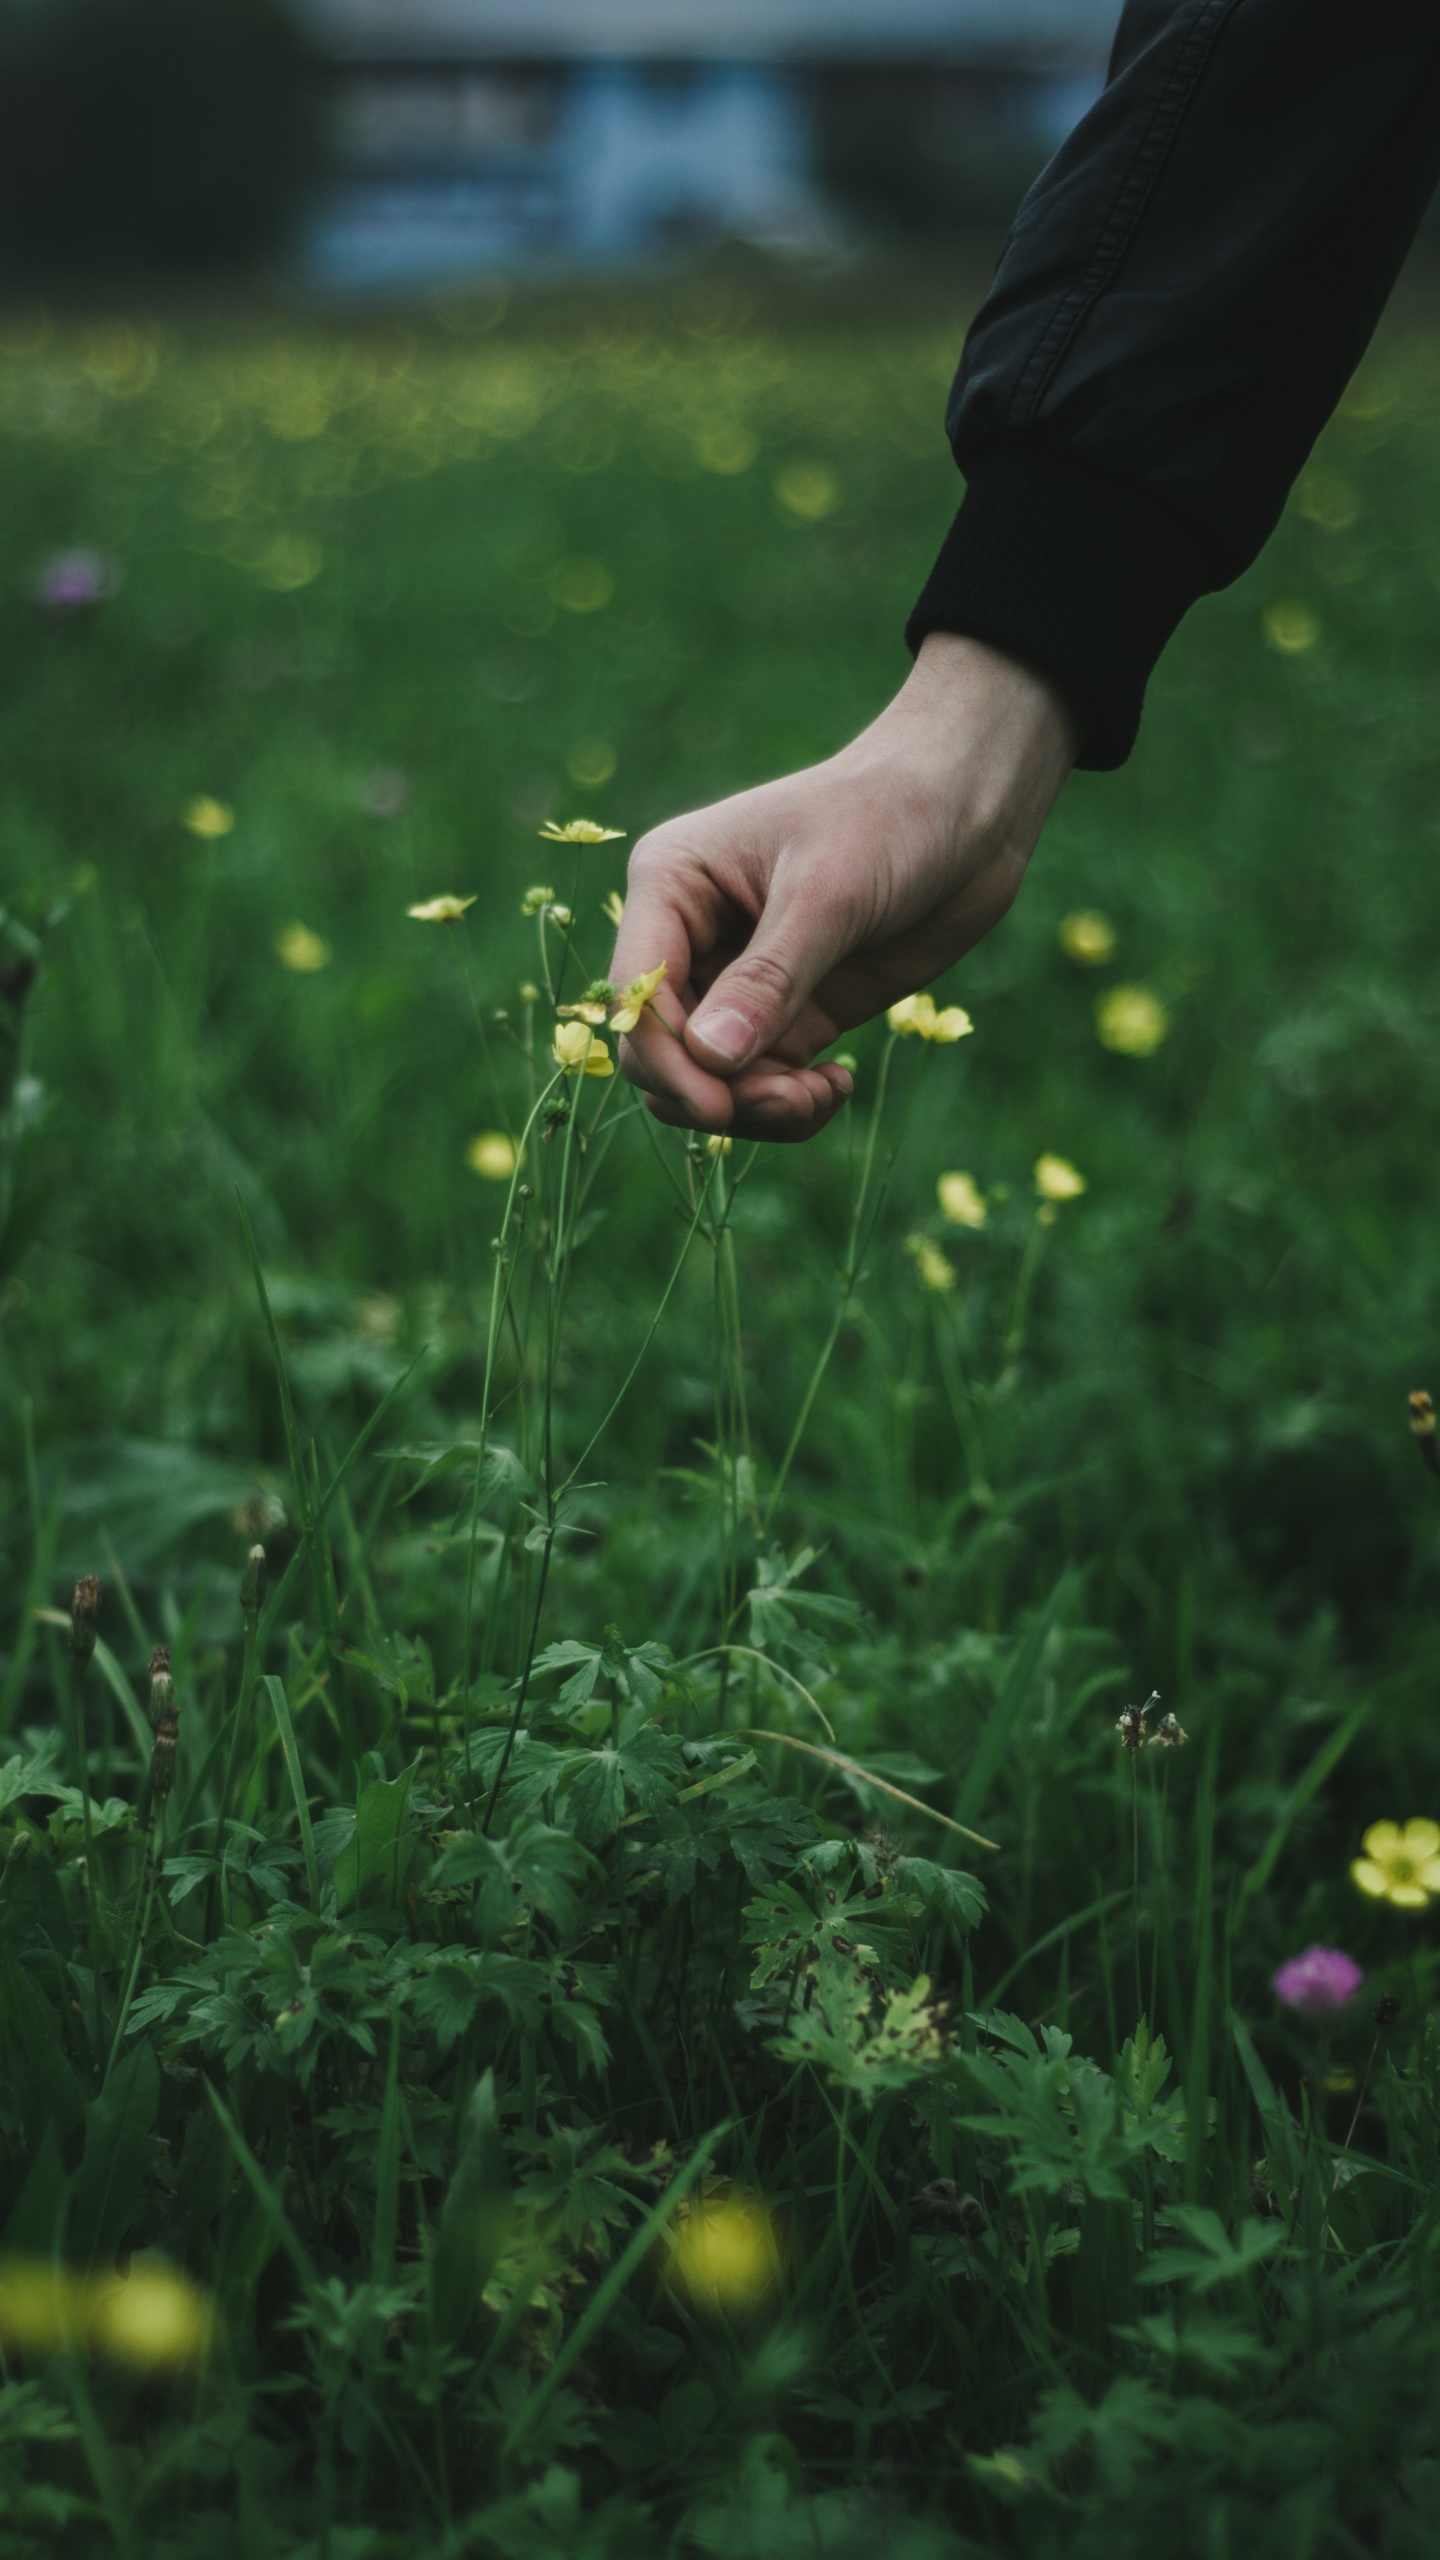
[[790, 913]]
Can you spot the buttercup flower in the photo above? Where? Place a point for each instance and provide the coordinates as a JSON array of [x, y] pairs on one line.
[[492, 1155], [614, 909], [208, 818], [724, 2251], [1131, 1021], [961, 1200], [635, 998], [301, 949], [1401, 1863], [560, 915], [576, 1049], [580, 831], [1057, 1179], [446, 910], [154, 2318], [536, 898], [1318, 1982], [917, 1015], [1087, 937], [934, 1269], [593, 1005], [719, 1146]]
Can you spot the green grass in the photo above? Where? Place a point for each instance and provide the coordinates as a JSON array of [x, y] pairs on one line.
[[552, 2091]]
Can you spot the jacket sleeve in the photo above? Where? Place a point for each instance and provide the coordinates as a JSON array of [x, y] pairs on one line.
[[1185, 292]]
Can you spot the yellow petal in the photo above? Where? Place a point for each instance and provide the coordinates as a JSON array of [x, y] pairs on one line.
[[1422, 1838], [953, 1024], [594, 1013], [902, 1016], [1428, 1874], [580, 831], [961, 1200], [446, 910], [1370, 1878], [1056, 1178], [1088, 938], [298, 948], [1131, 1021], [719, 1146], [1408, 1897], [1383, 1840], [209, 818], [491, 1155]]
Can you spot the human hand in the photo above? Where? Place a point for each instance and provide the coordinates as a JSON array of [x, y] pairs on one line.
[[788, 914]]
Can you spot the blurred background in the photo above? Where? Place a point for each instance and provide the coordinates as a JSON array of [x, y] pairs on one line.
[[373, 145]]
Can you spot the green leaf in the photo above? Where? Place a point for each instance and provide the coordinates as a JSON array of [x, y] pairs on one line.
[[475, 2218], [374, 1864], [110, 2187]]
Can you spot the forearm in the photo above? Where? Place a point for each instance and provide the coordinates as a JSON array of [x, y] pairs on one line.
[[1184, 295]]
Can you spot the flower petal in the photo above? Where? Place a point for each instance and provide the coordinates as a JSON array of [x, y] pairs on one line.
[[1383, 1840], [1370, 1878]]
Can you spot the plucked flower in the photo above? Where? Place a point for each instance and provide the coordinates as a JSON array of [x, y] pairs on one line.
[[1319, 1982], [576, 1049], [1131, 1021], [1087, 937], [492, 1155], [635, 998], [916, 1016], [593, 1006], [208, 818], [961, 1200], [1056, 1178], [580, 831], [446, 910], [296, 947], [934, 1269], [1401, 1863]]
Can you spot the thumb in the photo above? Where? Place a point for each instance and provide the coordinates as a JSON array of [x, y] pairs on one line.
[[753, 1003]]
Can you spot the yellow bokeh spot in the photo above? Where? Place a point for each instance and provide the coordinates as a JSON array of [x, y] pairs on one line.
[[492, 1155], [934, 1269], [300, 949], [1325, 499], [961, 1200], [591, 762], [154, 2318], [208, 818], [446, 910], [1131, 1021], [292, 560], [726, 450], [725, 2253], [1088, 938], [582, 586], [807, 491], [1290, 628], [1056, 1178]]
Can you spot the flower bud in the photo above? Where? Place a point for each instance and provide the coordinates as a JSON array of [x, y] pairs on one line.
[[252, 1585], [84, 1610]]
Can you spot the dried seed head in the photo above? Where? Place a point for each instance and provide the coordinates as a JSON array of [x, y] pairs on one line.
[[1130, 1722], [84, 1610], [164, 1724], [1386, 2009], [252, 1584], [162, 1687], [1422, 1423], [1169, 1734]]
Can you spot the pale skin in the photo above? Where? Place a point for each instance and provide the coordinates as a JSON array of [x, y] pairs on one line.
[[791, 913]]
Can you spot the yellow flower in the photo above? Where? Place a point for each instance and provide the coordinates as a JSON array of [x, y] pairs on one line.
[[1290, 628], [209, 818], [637, 995], [917, 1014], [536, 898], [961, 1200], [1131, 1021], [719, 1146], [1057, 1179], [446, 910], [576, 1049], [614, 909], [492, 1155], [724, 2251], [593, 1006], [154, 2317], [301, 949], [1401, 1863], [934, 1269], [1087, 937], [580, 831], [561, 915]]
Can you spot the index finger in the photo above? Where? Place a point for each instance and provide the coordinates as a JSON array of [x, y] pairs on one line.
[[661, 923]]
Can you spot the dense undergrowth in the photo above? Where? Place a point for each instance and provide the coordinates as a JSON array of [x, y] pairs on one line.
[[616, 1986]]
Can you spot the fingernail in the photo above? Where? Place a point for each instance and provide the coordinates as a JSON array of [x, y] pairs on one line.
[[728, 1033], [844, 1085]]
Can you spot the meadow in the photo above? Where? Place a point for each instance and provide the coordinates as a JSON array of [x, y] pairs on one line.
[[597, 1954]]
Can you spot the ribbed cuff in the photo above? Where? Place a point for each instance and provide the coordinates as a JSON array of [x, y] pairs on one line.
[[1078, 573]]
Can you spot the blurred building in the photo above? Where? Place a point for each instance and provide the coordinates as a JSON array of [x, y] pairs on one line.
[[498, 133]]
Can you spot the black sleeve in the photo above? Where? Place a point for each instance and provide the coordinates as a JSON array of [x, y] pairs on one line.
[[1185, 292]]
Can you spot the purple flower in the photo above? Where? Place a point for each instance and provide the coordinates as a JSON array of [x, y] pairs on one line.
[[69, 580], [1321, 1980]]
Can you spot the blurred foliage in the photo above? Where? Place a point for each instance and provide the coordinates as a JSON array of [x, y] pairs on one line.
[[415, 2098]]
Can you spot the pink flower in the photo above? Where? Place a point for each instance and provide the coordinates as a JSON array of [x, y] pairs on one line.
[[69, 580], [1319, 1981]]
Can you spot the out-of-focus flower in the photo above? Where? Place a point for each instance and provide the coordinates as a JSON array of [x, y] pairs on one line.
[[384, 793], [534, 899], [1131, 1021], [917, 1016], [1401, 1863], [726, 449], [614, 909], [1087, 937], [1169, 1735], [68, 581], [961, 1200], [208, 818], [446, 910], [492, 1155], [719, 1146], [576, 1049], [934, 1269], [807, 491], [725, 2252], [1057, 1179], [561, 915], [529, 993], [635, 998], [1290, 628], [154, 2318], [580, 831], [300, 949], [1319, 1982]]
